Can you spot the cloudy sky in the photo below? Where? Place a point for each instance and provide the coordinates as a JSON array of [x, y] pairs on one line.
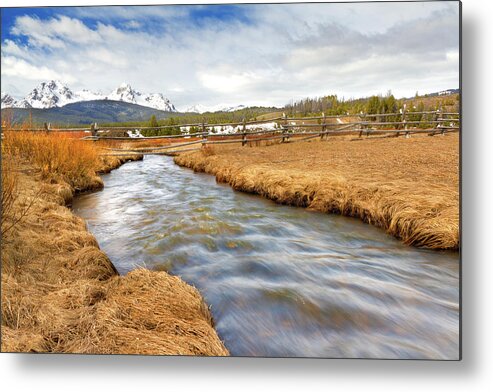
[[263, 54]]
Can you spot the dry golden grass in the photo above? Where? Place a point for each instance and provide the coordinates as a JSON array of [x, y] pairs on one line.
[[269, 116], [59, 158], [61, 293], [409, 187], [8, 193]]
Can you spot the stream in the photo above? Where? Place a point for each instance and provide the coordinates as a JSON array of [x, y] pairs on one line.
[[281, 281]]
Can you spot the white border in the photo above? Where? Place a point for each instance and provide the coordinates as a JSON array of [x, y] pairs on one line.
[[474, 373]]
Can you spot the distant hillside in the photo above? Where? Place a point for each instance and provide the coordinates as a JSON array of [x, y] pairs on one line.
[[87, 112], [447, 100], [450, 91]]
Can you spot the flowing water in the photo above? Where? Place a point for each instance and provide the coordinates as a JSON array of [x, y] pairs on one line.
[[281, 281]]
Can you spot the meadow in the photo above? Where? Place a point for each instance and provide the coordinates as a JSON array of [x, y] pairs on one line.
[[408, 187]]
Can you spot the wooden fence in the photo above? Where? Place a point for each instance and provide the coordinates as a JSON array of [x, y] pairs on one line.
[[285, 130]]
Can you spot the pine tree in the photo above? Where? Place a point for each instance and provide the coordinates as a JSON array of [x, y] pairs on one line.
[[153, 122], [373, 106]]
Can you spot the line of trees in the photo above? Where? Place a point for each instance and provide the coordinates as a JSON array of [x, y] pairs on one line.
[[250, 113], [333, 105], [153, 122], [376, 104]]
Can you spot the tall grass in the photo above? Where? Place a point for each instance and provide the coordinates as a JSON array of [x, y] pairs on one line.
[[9, 192], [60, 292], [59, 158], [14, 207]]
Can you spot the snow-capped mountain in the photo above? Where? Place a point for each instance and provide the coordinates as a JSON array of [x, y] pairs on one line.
[[126, 93], [8, 101], [88, 95], [49, 95], [199, 108], [55, 94], [157, 101], [232, 108]]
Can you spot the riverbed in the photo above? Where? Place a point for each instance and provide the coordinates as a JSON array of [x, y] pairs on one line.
[[280, 280]]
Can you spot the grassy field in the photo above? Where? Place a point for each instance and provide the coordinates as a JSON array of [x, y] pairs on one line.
[[408, 187], [60, 292]]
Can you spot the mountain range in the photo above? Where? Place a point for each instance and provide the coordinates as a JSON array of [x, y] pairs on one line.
[[86, 112], [56, 103], [55, 94], [199, 108]]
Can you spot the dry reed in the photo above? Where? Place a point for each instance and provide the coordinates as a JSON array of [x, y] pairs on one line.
[[9, 193], [59, 158], [409, 187], [61, 293]]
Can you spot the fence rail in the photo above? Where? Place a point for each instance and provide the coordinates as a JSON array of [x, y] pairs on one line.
[[286, 129]]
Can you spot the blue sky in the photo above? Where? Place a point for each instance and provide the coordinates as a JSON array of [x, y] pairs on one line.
[[152, 24], [262, 54]]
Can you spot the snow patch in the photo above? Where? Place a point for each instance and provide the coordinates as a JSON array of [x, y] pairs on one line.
[[134, 134], [228, 129]]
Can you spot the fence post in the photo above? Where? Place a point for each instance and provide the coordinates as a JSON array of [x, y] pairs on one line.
[[244, 137], [93, 130], [362, 117], [408, 135], [436, 117], [204, 135], [441, 124], [284, 127], [324, 127]]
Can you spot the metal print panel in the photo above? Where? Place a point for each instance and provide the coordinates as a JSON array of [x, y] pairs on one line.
[[261, 180]]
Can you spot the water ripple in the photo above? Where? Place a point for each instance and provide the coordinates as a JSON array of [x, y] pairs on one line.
[[281, 281]]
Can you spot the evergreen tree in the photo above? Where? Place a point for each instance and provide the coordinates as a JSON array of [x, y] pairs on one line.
[[153, 122], [373, 106]]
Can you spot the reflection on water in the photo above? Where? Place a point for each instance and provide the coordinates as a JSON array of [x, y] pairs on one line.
[[282, 281]]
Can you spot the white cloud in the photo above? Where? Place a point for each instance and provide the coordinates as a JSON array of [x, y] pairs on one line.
[[15, 67], [282, 52], [226, 80], [105, 55], [453, 56], [9, 47], [133, 24], [56, 33]]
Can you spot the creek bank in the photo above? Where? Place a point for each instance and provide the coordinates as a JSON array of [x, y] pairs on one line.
[[408, 187], [61, 293]]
